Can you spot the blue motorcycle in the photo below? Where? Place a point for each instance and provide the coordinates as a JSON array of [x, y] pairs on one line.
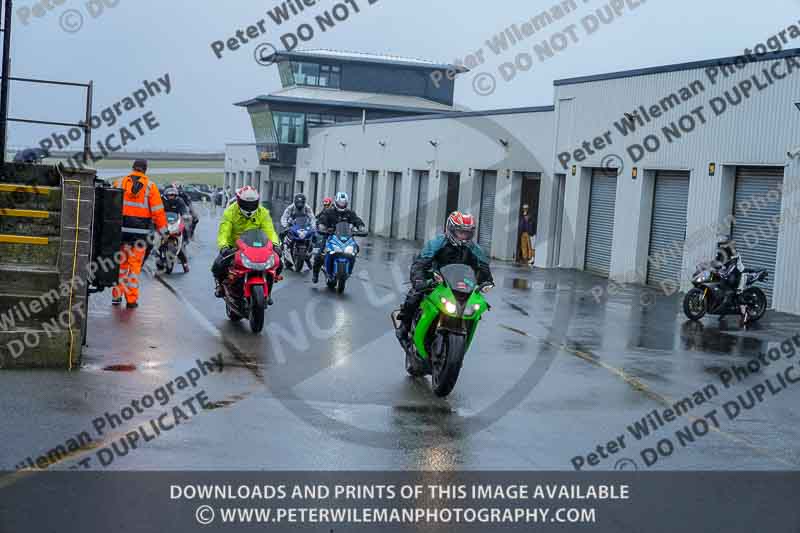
[[341, 251], [298, 243]]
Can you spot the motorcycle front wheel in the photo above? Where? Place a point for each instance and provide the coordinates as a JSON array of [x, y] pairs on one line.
[[340, 285], [257, 308], [446, 366], [299, 260], [694, 304]]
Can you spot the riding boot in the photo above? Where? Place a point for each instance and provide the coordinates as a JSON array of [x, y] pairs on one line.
[[317, 266]]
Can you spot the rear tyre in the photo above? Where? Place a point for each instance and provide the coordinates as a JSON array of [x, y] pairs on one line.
[[694, 304], [257, 308], [447, 364]]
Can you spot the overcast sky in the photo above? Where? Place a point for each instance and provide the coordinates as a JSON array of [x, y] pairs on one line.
[[145, 39]]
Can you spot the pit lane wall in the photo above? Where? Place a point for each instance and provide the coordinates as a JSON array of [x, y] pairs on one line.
[[46, 215]]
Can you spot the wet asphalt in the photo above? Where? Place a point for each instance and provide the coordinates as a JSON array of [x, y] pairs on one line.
[[553, 374]]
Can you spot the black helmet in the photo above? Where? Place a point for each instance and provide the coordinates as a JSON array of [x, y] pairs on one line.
[[140, 165], [300, 201]]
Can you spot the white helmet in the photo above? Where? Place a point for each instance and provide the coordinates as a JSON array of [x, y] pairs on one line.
[[341, 201], [249, 200]]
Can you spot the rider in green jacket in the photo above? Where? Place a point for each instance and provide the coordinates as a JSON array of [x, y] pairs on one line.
[[246, 214]]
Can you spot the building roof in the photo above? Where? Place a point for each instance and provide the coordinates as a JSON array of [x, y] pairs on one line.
[[337, 98], [692, 65], [382, 59]]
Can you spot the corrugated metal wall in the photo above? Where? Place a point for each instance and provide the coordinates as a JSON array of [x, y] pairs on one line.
[[758, 131]]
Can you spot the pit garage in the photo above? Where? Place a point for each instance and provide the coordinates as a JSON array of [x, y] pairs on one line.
[[756, 205], [486, 217], [668, 228], [600, 228]]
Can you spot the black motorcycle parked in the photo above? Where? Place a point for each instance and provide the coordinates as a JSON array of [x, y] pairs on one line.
[[713, 295]]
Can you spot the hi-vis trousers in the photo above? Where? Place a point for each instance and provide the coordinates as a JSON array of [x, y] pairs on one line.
[[129, 269]]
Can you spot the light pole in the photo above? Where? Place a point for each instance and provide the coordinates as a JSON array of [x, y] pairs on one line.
[[7, 16]]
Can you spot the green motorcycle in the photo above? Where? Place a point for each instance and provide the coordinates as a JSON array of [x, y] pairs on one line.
[[444, 326]]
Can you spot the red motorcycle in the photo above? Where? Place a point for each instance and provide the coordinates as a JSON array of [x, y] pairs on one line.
[[250, 278]]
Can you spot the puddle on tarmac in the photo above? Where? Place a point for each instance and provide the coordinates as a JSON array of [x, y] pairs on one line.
[[518, 284], [425, 409]]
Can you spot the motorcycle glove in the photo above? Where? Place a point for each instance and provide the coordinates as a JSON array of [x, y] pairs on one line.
[[420, 284]]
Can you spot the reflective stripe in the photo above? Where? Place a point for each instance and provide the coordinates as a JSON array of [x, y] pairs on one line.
[[136, 231], [134, 204], [132, 285], [157, 208]]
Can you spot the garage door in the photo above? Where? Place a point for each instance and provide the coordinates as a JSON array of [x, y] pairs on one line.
[[600, 231], [422, 201], [486, 219], [668, 228], [353, 189], [756, 203], [396, 188]]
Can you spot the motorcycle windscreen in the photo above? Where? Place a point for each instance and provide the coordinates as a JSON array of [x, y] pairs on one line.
[[254, 238], [172, 217], [460, 278], [344, 230], [302, 221]]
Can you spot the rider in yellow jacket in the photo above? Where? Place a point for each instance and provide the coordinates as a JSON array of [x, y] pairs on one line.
[[245, 214]]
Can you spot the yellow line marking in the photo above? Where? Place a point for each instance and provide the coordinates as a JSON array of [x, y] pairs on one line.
[[31, 213], [23, 239], [666, 401], [10, 187]]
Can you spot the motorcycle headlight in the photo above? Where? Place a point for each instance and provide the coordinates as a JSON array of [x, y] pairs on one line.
[[472, 309], [703, 277], [349, 250], [257, 266], [337, 249], [302, 234], [449, 306]]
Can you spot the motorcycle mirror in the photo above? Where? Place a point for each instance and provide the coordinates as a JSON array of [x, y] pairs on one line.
[[438, 277], [486, 287]]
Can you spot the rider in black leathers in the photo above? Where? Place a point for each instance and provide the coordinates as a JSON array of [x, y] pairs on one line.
[[173, 203], [730, 265], [326, 222]]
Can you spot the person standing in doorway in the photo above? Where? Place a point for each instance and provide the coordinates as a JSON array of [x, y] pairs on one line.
[[525, 230]]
